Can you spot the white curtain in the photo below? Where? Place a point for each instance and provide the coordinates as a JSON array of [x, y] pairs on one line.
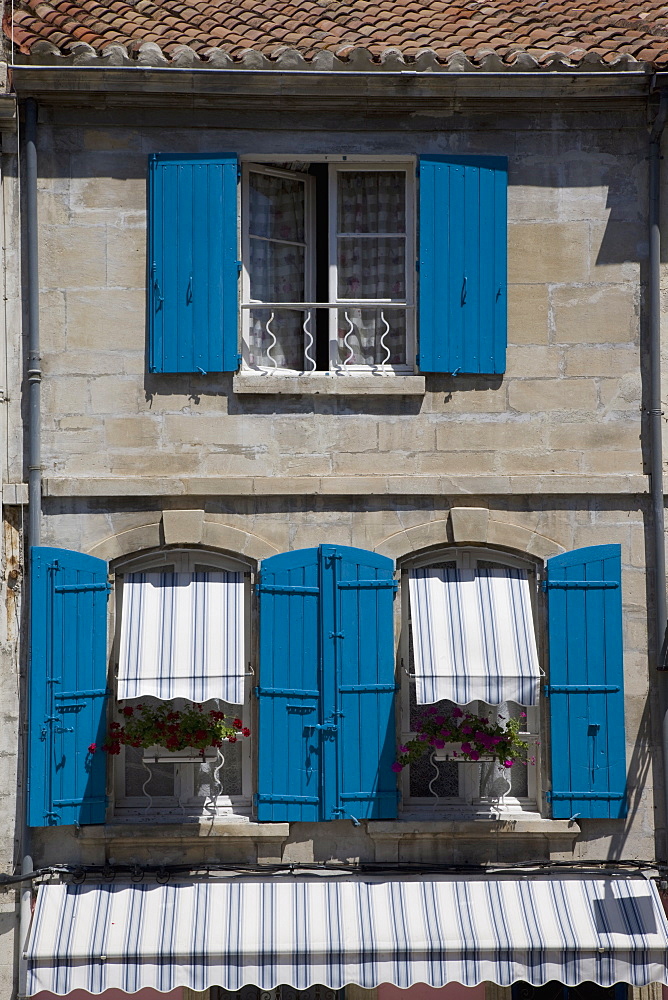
[[182, 636], [473, 636]]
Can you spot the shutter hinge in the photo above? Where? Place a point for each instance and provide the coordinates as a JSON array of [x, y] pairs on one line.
[[256, 690], [546, 690], [239, 266], [548, 796], [239, 359], [417, 265]]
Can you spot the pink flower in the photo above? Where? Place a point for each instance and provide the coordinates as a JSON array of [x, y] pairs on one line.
[[403, 749], [457, 713], [523, 715], [439, 744], [397, 766], [507, 763], [466, 730], [466, 748], [92, 747], [474, 755]]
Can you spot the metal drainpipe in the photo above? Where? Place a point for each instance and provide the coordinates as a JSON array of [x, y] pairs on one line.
[[655, 424], [34, 377]]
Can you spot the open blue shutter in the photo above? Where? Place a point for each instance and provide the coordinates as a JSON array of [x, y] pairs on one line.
[[586, 686], [358, 639], [289, 688], [462, 264], [192, 261], [68, 688]]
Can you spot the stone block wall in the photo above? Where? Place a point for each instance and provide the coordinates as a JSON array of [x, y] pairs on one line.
[[569, 404]]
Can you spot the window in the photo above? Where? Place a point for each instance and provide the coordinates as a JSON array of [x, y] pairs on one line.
[[338, 264], [174, 632], [335, 234], [438, 781]]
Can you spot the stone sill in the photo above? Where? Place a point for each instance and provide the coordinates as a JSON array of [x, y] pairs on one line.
[[145, 831], [328, 385]]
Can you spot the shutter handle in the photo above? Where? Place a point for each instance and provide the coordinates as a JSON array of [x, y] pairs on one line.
[[189, 290], [156, 286]]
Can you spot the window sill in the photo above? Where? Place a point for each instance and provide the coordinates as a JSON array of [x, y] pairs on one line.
[[328, 384]]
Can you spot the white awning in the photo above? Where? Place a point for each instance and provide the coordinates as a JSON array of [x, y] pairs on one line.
[[473, 636], [182, 636], [298, 932]]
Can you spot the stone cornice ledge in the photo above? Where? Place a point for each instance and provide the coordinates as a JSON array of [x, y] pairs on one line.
[[387, 485], [237, 829]]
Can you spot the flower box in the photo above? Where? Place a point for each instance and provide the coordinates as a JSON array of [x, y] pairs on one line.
[[161, 755], [453, 753]]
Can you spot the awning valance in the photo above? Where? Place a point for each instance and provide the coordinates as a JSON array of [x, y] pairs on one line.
[[299, 932], [473, 636], [182, 636]]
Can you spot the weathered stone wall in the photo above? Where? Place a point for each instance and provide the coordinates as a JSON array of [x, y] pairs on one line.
[[569, 404], [543, 459], [398, 527]]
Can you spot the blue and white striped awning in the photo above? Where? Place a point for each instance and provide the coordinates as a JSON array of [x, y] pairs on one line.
[[473, 636], [182, 636], [294, 931]]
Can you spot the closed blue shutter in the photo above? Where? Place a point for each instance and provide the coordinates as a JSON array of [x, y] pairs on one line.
[[289, 689], [462, 264], [361, 651], [192, 260], [586, 686], [68, 688], [326, 691]]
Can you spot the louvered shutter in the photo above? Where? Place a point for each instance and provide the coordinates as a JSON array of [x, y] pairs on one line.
[[68, 688], [192, 260], [586, 684], [462, 264], [289, 688], [358, 642]]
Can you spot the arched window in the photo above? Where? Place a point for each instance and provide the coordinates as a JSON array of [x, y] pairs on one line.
[[439, 781], [158, 611]]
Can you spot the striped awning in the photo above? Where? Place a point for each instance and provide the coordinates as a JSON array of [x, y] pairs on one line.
[[473, 636], [298, 932], [182, 636]]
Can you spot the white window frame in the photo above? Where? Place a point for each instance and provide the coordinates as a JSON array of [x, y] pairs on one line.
[[336, 164], [184, 804], [469, 805]]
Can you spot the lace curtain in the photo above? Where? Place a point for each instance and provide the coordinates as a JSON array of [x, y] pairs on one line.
[[371, 263]]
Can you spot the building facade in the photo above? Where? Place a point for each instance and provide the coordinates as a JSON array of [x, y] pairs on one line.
[[346, 361]]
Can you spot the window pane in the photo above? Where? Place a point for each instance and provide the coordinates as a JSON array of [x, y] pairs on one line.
[[371, 201], [440, 778], [372, 267], [161, 781], [277, 342], [227, 781], [276, 207], [276, 272], [371, 336]]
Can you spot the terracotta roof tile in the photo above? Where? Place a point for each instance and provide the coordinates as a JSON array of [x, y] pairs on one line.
[[606, 28]]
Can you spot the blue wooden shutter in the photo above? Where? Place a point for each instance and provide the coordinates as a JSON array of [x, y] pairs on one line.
[[289, 689], [68, 688], [358, 649], [462, 264], [192, 262], [586, 688]]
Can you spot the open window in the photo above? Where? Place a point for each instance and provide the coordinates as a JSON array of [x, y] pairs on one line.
[[182, 635], [328, 256], [486, 597]]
